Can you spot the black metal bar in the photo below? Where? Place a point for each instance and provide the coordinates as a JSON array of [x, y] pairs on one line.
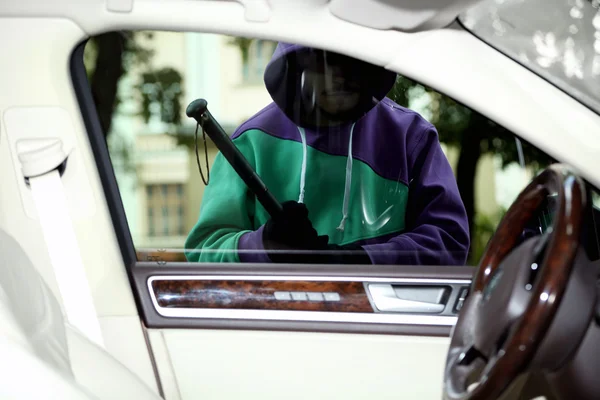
[[199, 111]]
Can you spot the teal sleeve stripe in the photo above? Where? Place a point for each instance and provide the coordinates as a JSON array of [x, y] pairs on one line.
[[226, 214], [377, 205]]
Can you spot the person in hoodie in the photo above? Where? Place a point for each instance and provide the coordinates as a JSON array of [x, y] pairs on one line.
[[362, 179]]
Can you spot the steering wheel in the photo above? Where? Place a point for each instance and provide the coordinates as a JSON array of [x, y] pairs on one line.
[[515, 295]]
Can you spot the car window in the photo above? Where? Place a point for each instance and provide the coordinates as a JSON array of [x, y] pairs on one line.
[[414, 178]]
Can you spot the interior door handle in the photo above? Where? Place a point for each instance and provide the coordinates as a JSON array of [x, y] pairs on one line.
[[385, 298]]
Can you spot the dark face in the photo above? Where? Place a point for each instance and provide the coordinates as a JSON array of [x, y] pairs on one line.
[[332, 83], [323, 89], [333, 91]]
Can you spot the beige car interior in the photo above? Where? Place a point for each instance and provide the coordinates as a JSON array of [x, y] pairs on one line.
[[44, 357]]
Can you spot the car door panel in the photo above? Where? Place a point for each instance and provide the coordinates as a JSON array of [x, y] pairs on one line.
[[178, 295], [229, 331], [233, 364]]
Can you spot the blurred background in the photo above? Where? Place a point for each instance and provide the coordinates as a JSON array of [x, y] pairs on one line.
[[142, 82]]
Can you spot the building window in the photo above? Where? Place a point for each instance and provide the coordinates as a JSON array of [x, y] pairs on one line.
[[166, 209], [259, 55]]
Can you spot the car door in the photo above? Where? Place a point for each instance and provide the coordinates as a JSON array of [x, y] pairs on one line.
[[268, 331], [257, 332], [276, 330]]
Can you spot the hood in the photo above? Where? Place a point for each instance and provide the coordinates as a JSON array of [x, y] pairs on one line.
[[283, 80]]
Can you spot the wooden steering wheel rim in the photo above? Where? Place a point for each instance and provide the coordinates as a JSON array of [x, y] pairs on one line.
[[552, 280]]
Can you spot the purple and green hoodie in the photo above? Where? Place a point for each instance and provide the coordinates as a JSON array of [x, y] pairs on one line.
[[382, 182]]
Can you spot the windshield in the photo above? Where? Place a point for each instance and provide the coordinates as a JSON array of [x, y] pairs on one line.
[[557, 39]]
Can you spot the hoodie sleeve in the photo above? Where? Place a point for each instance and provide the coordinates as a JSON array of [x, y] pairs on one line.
[[437, 230], [225, 224]]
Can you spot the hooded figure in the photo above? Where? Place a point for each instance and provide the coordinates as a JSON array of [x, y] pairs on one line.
[[363, 180]]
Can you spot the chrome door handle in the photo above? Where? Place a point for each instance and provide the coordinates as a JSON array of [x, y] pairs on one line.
[[385, 299]]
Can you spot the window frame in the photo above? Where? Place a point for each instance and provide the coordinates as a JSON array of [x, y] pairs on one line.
[[101, 154], [116, 197]]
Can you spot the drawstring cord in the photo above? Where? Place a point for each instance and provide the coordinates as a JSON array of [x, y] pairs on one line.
[[348, 184], [205, 181], [303, 174]]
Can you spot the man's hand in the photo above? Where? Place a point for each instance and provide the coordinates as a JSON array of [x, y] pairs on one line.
[[289, 236]]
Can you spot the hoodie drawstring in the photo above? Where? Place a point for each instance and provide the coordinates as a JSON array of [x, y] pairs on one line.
[[347, 184], [303, 174]]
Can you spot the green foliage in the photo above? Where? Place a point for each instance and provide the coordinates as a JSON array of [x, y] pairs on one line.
[[152, 90], [454, 122], [400, 92], [243, 44], [155, 88], [90, 55], [136, 53], [161, 89], [484, 227]]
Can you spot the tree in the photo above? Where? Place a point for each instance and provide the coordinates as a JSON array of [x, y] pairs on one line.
[[473, 135], [107, 58], [161, 88], [110, 56]]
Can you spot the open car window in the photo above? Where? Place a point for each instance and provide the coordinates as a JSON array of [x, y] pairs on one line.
[[424, 181]]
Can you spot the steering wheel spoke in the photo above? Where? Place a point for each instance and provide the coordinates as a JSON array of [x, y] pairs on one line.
[[506, 316], [466, 366]]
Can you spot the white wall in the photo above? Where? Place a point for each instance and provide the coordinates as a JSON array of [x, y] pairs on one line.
[[239, 100]]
